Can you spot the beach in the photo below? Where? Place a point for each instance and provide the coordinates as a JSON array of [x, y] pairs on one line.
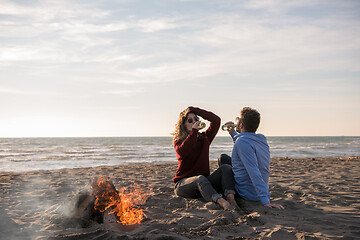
[[320, 196]]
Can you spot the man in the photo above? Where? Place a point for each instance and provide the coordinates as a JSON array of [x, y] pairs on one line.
[[250, 158]]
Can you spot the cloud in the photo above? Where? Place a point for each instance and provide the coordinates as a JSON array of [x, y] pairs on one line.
[[189, 70], [154, 25], [138, 49], [262, 44], [124, 92], [6, 90], [273, 5], [71, 18], [42, 11], [67, 31], [122, 108], [18, 53]]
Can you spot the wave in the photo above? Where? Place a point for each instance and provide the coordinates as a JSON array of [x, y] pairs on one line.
[[55, 153]]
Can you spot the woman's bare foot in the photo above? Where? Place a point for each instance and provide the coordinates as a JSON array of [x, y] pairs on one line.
[[225, 204], [231, 199]]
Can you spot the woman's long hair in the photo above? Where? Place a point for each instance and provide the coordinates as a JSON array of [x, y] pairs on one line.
[[180, 132]]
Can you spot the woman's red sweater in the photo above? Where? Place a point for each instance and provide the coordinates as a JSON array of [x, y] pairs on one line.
[[193, 152]]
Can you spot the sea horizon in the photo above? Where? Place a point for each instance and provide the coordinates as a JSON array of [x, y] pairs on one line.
[[171, 136]]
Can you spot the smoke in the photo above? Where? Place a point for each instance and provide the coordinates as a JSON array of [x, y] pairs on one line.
[[42, 204], [38, 205]]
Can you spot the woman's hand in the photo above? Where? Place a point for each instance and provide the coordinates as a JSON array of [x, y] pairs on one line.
[[196, 125], [274, 205]]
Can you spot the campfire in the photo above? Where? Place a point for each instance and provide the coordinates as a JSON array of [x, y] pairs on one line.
[[122, 203], [105, 200]]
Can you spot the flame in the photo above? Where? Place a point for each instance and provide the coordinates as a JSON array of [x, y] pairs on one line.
[[123, 203]]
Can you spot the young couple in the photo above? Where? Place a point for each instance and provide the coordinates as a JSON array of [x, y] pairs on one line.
[[246, 172]]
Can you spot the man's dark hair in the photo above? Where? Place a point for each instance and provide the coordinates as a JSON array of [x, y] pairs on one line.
[[250, 118]]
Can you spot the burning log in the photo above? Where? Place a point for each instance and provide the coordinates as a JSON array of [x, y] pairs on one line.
[[107, 204]]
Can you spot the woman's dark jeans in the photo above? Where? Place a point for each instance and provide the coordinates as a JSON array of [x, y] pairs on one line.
[[210, 188], [224, 159]]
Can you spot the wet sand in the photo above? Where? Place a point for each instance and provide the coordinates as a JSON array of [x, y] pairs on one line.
[[321, 197]]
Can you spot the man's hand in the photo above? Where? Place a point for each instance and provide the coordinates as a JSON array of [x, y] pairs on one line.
[[274, 205], [230, 129]]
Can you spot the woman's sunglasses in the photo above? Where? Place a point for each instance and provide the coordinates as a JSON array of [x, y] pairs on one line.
[[190, 120]]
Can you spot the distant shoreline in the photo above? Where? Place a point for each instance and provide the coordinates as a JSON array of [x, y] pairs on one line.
[[173, 163], [268, 136]]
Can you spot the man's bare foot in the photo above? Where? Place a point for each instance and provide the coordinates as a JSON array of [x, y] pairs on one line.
[[231, 199], [225, 204]]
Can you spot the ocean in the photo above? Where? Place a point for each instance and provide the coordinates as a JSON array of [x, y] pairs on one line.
[[28, 154]]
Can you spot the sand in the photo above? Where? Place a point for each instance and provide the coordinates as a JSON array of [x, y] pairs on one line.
[[321, 197]]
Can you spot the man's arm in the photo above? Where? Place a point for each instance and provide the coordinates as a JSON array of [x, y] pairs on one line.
[[234, 134]]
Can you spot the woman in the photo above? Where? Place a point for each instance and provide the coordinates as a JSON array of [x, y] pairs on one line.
[[192, 178]]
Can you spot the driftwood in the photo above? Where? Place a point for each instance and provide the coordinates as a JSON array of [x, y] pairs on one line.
[[85, 210]]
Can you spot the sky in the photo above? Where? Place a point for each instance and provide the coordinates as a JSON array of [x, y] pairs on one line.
[[91, 68]]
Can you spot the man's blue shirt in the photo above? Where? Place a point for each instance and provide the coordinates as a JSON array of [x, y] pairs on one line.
[[251, 162]]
